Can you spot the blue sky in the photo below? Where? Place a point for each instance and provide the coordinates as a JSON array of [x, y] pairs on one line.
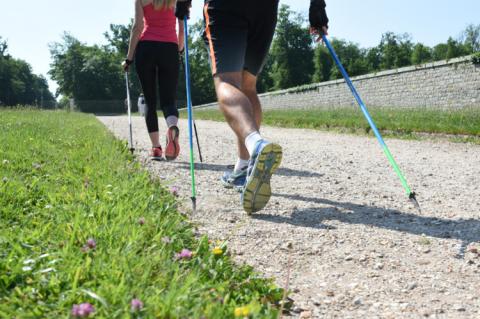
[[30, 25]]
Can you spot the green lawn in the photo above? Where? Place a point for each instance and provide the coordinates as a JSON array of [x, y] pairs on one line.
[[81, 222], [392, 122]]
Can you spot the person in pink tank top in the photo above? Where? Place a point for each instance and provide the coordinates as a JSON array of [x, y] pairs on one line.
[[155, 46]]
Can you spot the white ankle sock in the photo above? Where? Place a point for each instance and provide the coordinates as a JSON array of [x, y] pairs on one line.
[[172, 121], [251, 141], [241, 164]]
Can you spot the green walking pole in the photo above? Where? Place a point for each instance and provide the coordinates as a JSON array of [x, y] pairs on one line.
[[411, 195]]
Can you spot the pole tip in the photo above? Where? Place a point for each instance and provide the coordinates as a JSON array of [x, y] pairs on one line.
[[132, 150], [413, 199], [194, 204]]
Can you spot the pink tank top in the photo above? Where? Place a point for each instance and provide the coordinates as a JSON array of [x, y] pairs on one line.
[[159, 25]]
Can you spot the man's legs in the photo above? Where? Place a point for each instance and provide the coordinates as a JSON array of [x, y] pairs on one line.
[[243, 116], [236, 47]]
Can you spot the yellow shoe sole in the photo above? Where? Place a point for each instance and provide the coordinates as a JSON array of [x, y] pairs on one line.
[[257, 191]]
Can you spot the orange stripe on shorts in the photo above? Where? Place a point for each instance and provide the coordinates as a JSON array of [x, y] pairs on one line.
[[209, 37]]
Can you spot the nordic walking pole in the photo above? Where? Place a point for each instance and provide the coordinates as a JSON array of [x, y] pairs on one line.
[[190, 115], [129, 107], [195, 128], [198, 142], [386, 150]]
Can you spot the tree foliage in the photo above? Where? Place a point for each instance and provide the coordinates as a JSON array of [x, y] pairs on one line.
[[292, 52], [118, 37], [471, 38], [352, 57], [91, 75], [93, 78], [18, 84], [117, 40], [87, 73], [421, 54], [201, 79]]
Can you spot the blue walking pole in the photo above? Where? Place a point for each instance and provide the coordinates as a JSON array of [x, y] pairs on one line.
[[386, 150], [190, 117]]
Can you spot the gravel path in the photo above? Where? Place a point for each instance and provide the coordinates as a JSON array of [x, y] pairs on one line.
[[360, 249]]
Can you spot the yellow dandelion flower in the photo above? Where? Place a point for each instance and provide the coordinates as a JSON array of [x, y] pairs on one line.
[[242, 312], [238, 312], [217, 251]]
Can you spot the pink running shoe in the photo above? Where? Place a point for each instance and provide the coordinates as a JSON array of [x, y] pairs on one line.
[[173, 148], [156, 154]]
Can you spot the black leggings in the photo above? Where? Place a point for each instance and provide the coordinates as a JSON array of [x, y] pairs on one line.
[[158, 61]]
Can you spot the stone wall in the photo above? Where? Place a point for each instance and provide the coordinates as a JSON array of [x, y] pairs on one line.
[[449, 84]]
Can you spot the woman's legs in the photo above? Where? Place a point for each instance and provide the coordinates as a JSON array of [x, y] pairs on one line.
[[147, 73]]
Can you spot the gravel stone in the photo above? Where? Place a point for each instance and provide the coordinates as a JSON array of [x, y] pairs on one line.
[[412, 286], [358, 301], [378, 266]]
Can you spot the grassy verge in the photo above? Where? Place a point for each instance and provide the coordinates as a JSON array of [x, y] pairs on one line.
[[465, 124], [81, 222]]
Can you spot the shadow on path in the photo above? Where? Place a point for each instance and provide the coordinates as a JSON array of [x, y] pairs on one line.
[[465, 230], [222, 168]]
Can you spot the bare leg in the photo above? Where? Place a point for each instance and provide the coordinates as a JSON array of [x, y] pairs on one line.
[[249, 88], [155, 138], [236, 106]]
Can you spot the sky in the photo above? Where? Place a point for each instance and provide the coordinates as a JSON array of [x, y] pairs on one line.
[[30, 25]]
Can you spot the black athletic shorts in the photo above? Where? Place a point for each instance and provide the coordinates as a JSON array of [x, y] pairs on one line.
[[238, 33]]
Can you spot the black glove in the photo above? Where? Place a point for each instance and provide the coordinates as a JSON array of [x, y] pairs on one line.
[[318, 15], [182, 9]]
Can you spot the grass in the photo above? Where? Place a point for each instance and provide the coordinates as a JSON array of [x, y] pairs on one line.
[[64, 180], [405, 123]]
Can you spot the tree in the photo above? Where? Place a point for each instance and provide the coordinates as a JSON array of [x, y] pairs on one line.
[[451, 49], [455, 49], [396, 50], [3, 47], [373, 59], [202, 88], [405, 50], [352, 58], [388, 50], [118, 37], [471, 38], [323, 64], [86, 74], [440, 52], [67, 61], [292, 51], [18, 84], [265, 80], [421, 54]]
